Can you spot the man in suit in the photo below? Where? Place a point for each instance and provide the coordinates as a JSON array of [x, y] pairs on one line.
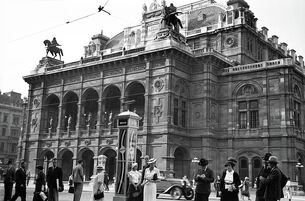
[[204, 177], [54, 180], [9, 179], [263, 173], [20, 187], [78, 179], [273, 190], [40, 182]]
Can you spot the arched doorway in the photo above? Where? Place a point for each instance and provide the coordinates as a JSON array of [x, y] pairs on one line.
[[45, 157], [110, 163], [70, 110], [88, 163], [135, 91], [181, 163], [256, 167], [112, 105], [51, 117], [65, 157], [243, 168], [89, 108]]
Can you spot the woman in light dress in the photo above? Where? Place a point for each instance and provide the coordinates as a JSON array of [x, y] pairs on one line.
[[150, 178], [134, 189], [98, 182]]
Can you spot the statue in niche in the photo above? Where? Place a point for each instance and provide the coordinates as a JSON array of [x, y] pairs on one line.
[[69, 121], [51, 123], [110, 118], [89, 119]]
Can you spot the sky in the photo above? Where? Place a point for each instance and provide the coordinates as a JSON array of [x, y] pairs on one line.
[[25, 24]]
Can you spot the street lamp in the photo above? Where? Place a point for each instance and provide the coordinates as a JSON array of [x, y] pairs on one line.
[[299, 166]]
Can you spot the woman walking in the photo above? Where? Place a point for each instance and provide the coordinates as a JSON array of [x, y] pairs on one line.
[[150, 178], [229, 182], [98, 185]]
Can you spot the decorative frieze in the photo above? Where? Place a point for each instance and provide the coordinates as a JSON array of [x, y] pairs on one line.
[[113, 72], [91, 76], [135, 68], [72, 79]]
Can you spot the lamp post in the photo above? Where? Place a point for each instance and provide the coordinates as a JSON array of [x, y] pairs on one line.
[[298, 176]]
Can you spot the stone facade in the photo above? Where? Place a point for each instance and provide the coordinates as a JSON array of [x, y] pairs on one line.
[[218, 88]]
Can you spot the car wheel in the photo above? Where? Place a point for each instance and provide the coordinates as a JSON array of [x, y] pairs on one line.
[[189, 194], [176, 193]]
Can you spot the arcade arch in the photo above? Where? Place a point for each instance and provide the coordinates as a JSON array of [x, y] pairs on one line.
[[182, 162], [89, 108], [70, 109], [51, 114], [135, 91], [65, 157], [111, 162], [112, 104], [86, 155]]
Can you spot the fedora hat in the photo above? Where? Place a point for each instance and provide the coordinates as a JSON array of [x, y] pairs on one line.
[[203, 162], [273, 159], [232, 160], [99, 167], [152, 160], [266, 156]]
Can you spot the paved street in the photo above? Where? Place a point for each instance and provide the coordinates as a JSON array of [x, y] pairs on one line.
[[86, 196]]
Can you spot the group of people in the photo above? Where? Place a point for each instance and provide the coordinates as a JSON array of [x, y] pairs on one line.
[[270, 181], [49, 185], [143, 184]]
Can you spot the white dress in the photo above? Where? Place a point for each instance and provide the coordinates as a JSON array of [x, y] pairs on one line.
[[150, 188], [98, 183]]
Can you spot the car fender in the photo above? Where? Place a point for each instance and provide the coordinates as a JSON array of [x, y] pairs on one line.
[[168, 190]]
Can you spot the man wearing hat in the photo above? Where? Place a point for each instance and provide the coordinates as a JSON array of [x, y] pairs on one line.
[[204, 177], [273, 190], [54, 180], [9, 178], [20, 187], [264, 172]]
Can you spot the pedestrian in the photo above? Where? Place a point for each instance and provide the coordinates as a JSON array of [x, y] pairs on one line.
[[150, 178], [106, 181], [78, 179], [28, 177], [40, 182], [217, 186], [54, 180], [229, 182], [263, 173], [134, 177], [204, 177], [9, 179], [145, 166], [98, 184], [20, 187], [273, 191], [288, 190], [245, 189]]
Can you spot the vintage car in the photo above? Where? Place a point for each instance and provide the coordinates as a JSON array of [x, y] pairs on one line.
[[175, 188]]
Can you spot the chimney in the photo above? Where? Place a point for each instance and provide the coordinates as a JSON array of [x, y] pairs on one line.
[[275, 40], [301, 61], [283, 46], [265, 32], [292, 54]]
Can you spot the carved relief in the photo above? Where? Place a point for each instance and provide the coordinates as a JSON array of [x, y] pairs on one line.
[[87, 142], [47, 144], [247, 90], [135, 68], [181, 88], [213, 115], [113, 72], [231, 41], [158, 84], [67, 143], [197, 89], [36, 102], [109, 141], [197, 114], [297, 92], [157, 110], [274, 85], [34, 122]]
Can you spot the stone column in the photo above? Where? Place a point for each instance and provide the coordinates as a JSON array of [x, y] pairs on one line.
[[99, 116], [59, 121]]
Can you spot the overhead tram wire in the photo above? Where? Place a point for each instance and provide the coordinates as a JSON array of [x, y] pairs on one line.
[[100, 8]]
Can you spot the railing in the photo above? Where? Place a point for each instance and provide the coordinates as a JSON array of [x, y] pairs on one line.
[[262, 65]]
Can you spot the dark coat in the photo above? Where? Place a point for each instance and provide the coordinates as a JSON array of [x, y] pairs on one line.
[[264, 172], [273, 185], [20, 177], [52, 175], [204, 184], [225, 194], [40, 181], [9, 176]]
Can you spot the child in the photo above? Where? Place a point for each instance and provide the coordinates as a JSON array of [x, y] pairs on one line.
[[245, 189], [288, 190]]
